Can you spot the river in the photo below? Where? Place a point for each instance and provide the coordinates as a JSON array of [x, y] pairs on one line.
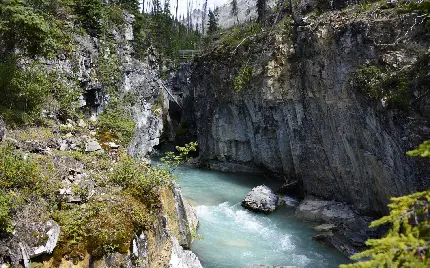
[[236, 237]]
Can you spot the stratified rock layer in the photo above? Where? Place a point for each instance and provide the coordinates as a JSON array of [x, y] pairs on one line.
[[300, 116]]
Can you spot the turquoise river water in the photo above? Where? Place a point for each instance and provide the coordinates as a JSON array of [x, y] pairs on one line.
[[235, 237]]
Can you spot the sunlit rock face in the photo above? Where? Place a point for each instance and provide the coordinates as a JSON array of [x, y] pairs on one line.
[[301, 116]]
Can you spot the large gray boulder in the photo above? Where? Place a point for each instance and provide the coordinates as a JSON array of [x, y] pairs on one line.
[[261, 199]]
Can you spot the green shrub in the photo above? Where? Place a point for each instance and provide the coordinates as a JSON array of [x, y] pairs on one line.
[[23, 91], [28, 25], [240, 35], [90, 15], [243, 77], [116, 122], [5, 208], [423, 150], [17, 171], [407, 242], [139, 180]]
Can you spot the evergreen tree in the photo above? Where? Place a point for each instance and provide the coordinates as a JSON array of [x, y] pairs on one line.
[[234, 10], [407, 243], [205, 7], [261, 11], [213, 22]]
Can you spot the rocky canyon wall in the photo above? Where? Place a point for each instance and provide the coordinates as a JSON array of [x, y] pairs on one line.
[[301, 115]]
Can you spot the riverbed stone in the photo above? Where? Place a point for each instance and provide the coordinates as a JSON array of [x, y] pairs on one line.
[[261, 199], [317, 210], [325, 227]]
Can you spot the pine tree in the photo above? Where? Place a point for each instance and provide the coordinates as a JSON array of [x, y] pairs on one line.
[[213, 22], [407, 243], [205, 7], [261, 11], [234, 10]]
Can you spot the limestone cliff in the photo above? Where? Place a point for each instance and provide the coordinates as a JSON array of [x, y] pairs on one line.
[[300, 113]]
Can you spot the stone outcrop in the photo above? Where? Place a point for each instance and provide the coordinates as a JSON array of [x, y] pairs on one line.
[[341, 227], [138, 78], [300, 114], [183, 258], [261, 199]]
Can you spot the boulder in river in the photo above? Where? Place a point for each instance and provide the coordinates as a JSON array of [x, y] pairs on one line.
[[261, 199]]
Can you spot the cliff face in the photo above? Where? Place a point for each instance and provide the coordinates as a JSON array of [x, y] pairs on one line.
[[301, 115], [70, 212], [114, 58]]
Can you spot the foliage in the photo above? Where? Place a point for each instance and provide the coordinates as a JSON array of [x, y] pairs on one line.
[[34, 26], [240, 35], [173, 161], [90, 14], [422, 7], [117, 121], [261, 11], [243, 77], [407, 243], [25, 90], [234, 10], [423, 150], [166, 34], [392, 89], [5, 209], [212, 22], [104, 225], [138, 179]]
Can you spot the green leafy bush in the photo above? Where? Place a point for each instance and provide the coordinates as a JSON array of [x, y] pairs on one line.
[[243, 77], [90, 15], [423, 150], [116, 122], [17, 171], [105, 225], [139, 180], [29, 25], [23, 91], [407, 242], [5, 208]]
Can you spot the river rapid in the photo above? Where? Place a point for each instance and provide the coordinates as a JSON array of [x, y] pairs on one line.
[[236, 237]]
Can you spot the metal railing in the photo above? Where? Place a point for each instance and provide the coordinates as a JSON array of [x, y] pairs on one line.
[[188, 54]]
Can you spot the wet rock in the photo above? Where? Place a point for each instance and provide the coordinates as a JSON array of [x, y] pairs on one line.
[[92, 146], [256, 266], [326, 227], [181, 258], [324, 211], [337, 241], [185, 236], [193, 220], [284, 200], [280, 266], [261, 199]]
